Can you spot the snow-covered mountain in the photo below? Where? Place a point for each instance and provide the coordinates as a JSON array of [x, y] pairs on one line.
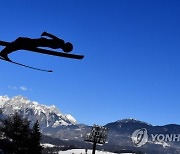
[[48, 116], [62, 129]]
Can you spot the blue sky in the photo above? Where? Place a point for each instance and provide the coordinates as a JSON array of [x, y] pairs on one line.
[[131, 66]]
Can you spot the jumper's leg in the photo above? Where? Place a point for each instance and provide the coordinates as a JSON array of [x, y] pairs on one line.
[[4, 53], [11, 47]]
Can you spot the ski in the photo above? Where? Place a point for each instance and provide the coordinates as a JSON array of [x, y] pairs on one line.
[[56, 53], [34, 68]]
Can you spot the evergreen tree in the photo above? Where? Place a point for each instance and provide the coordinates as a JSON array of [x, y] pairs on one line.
[[18, 132], [20, 137], [35, 139]]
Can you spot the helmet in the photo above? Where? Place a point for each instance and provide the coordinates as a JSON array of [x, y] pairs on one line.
[[68, 47]]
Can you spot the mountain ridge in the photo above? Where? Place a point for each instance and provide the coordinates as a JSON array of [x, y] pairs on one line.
[[32, 110]]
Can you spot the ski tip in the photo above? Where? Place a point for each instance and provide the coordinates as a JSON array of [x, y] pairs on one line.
[[50, 71]]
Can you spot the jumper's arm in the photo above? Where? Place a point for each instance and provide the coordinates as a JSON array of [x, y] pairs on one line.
[[49, 35]]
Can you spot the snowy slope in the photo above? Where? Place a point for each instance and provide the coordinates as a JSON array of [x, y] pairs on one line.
[[2, 100], [82, 151], [48, 116]]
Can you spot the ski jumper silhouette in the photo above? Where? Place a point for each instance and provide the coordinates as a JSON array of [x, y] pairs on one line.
[[38, 45], [25, 43]]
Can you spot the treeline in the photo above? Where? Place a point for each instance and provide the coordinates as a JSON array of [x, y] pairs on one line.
[[17, 137]]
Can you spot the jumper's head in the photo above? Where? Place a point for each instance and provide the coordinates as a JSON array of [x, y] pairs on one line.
[[68, 47]]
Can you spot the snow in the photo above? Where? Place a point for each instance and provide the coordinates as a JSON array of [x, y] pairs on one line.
[[127, 120], [52, 106], [3, 99], [15, 108], [47, 145], [82, 151], [71, 118], [46, 115], [65, 139], [78, 129], [35, 103]]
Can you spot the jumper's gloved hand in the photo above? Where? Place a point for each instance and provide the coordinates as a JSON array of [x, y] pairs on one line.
[[44, 34]]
